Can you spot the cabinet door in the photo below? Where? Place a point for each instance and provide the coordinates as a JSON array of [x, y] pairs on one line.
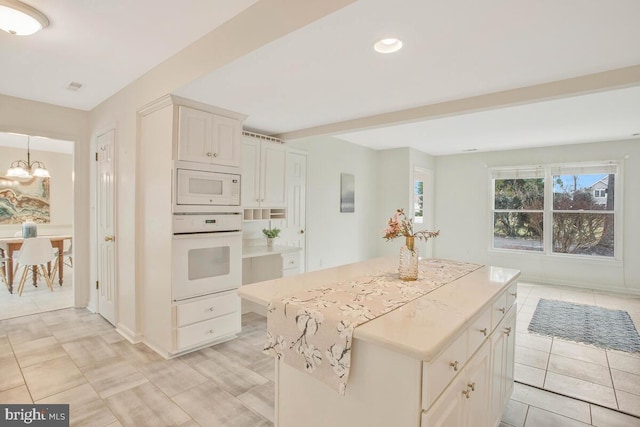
[[225, 145], [498, 346], [510, 348], [448, 410], [273, 164], [250, 181], [478, 388], [195, 132]]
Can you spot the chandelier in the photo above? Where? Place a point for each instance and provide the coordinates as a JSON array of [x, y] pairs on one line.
[[28, 169]]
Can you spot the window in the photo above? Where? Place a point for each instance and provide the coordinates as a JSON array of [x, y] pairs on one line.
[[560, 209], [518, 210]]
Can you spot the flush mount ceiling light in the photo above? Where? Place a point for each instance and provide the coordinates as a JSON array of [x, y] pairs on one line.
[[388, 45], [21, 19]]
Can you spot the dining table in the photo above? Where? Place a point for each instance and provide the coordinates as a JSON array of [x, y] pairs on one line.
[[9, 245]]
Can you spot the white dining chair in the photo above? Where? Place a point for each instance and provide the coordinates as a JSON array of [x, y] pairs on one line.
[[3, 275], [36, 252]]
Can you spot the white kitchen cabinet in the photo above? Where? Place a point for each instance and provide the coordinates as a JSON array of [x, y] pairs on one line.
[[464, 402], [263, 174], [172, 328], [502, 364], [205, 137]]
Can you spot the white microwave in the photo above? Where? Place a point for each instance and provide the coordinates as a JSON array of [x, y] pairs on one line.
[[205, 188]]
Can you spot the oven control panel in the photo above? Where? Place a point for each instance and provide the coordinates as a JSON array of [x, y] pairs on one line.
[[206, 223]]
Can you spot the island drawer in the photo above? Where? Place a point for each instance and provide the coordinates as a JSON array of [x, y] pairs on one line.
[[512, 294], [498, 309], [209, 330], [290, 260], [208, 308], [479, 331], [438, 373]]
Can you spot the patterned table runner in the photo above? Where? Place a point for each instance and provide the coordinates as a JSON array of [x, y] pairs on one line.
[[313, 329]]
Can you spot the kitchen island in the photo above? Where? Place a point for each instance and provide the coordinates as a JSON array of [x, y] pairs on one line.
[[443, 359]]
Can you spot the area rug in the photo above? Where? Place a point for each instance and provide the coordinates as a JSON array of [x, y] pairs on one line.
[[589, 324]]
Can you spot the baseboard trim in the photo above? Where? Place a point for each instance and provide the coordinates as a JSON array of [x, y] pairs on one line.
[[128, 334], [581, 285]]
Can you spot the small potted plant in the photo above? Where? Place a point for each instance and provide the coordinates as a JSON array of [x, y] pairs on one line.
[[270, 233]]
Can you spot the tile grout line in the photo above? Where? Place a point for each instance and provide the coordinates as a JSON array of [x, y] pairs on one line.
[[574, 398], [613, 384]]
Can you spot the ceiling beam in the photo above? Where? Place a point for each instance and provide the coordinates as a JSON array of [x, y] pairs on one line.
[[592, 83]]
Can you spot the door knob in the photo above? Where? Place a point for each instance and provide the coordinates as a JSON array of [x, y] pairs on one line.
[[109, 238]]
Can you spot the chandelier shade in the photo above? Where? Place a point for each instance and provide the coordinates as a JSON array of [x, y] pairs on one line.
[[27, 169]]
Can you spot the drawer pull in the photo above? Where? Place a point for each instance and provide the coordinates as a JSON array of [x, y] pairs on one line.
[[211, 332], [484, 331], [472, 386], [508, 331], [502, 310], [454, 365], [466, 393]]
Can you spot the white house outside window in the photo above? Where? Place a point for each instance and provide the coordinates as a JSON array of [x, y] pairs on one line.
[[559, 209]]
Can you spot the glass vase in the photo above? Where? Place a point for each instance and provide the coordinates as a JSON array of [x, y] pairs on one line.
[[408, 260]]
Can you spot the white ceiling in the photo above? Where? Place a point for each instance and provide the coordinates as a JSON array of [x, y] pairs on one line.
[[327, 72], [35, 143], [102, 44]]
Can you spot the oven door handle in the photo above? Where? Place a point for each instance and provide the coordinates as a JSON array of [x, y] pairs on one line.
[[206, 235]]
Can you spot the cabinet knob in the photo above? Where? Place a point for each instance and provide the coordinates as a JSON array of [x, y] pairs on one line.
[[484, 331], [502, 310], [215, 154], [211, 332], [454, 365], [472, 386], [514, 294], [507, 331], [109, 238], [209, 154], [212, 309], [466, 393], [301, 231]]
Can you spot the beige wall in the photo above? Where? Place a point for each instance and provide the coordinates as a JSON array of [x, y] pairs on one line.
[[36, 118], [60, 167], [463, 216]]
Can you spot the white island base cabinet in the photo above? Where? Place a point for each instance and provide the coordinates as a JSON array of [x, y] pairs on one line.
[[466, 385]]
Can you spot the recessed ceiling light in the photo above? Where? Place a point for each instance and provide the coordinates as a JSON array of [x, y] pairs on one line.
[[21, 19], [388, 45]]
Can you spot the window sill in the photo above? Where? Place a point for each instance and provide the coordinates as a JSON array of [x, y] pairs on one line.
[[574, 259]]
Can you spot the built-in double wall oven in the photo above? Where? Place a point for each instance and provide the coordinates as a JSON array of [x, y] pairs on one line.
[[207, 236]]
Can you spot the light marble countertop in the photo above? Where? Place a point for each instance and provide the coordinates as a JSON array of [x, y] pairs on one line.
[[419, 329], [256, 251]]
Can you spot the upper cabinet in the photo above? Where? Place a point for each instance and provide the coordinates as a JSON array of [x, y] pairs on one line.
[[205, 137], [263, 174]]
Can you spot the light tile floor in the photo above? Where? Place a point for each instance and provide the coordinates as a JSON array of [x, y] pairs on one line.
[[76, 357], [605, 377], [36, 300]]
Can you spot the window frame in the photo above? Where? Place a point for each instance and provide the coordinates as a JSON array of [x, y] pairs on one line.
[[547, 170]]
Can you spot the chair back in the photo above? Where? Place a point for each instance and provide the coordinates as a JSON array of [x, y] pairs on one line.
[[35, 251]]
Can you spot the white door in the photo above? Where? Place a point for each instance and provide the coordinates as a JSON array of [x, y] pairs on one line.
[[294, 227], [225, 145], [105, 209], [195, 135], [273, 167]]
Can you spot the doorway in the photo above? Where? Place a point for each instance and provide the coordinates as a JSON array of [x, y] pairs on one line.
[[48, 202]]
